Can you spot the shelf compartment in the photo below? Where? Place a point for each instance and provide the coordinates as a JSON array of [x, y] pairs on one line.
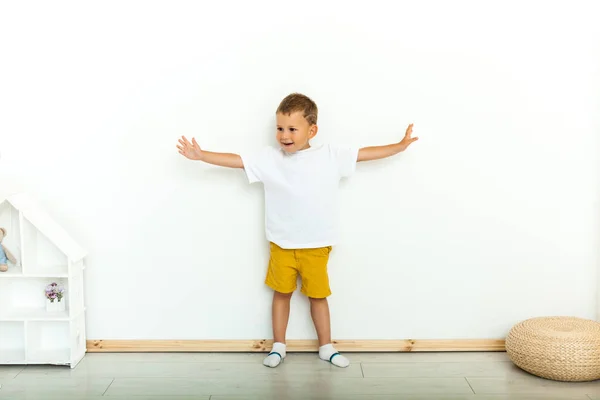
[[24, 300], [12, 271], [12, 343], [48, 342], [41, 256], [10, 220]]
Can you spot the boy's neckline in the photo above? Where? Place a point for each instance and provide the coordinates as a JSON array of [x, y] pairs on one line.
[[304, 151]]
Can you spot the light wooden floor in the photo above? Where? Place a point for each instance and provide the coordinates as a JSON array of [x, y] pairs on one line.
[[200, 376]]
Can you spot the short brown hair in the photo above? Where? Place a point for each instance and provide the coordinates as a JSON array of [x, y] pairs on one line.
[[299, 102]]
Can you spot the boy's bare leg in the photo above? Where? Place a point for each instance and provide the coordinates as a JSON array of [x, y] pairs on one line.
[[319, 310], [280, 317]]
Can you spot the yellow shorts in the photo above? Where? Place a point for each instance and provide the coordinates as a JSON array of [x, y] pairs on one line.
[[311, 264]]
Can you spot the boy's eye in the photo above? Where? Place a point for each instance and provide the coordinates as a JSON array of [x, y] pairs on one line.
[[279, 129], [292, 129]]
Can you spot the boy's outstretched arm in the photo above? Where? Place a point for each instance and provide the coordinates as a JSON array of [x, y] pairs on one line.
[[194, 152], [377, 152]]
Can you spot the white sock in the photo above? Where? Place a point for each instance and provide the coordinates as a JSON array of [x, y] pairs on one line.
[[329, 353], [276, 355]]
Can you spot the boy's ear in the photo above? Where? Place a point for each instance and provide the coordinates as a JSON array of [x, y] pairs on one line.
[[312, 131]]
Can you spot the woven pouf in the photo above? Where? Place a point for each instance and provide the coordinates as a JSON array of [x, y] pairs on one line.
[[557, 348]]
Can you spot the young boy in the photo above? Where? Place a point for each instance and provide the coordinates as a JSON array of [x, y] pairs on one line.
[[300, 183]]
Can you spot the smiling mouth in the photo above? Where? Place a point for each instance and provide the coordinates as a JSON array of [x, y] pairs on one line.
[[287, 144]]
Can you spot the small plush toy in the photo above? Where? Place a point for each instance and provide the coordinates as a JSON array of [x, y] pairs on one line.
[[5, 255]]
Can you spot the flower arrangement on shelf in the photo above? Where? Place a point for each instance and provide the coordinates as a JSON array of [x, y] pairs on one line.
[[54, 291]]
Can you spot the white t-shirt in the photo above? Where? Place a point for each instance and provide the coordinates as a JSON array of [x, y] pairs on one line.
[[301, 192]]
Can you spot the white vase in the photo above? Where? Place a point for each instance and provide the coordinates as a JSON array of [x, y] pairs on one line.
[[55, 306]]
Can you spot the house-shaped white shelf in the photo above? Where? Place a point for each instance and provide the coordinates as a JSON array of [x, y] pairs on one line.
[[45, 253]]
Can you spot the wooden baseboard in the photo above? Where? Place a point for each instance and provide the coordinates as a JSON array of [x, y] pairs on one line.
[[258, 346]]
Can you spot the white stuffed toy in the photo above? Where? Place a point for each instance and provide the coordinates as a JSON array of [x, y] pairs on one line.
[[5, 255]]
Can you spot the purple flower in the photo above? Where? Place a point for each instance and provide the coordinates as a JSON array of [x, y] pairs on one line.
[[54, 291]]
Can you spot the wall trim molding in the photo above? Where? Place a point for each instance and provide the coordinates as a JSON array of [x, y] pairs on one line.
[[258, 346]]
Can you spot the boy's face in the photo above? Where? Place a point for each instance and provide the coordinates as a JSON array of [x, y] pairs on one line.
[[294, 132]]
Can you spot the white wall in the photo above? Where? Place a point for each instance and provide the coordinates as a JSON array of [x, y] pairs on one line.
[[492, 217]]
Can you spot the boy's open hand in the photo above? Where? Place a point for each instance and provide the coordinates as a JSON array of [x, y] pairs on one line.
[[378, 152], [189, 150], [407, 140]]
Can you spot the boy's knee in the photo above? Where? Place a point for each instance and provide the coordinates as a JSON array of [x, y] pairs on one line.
[[318, 299], [283, 295], [3, 268]]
